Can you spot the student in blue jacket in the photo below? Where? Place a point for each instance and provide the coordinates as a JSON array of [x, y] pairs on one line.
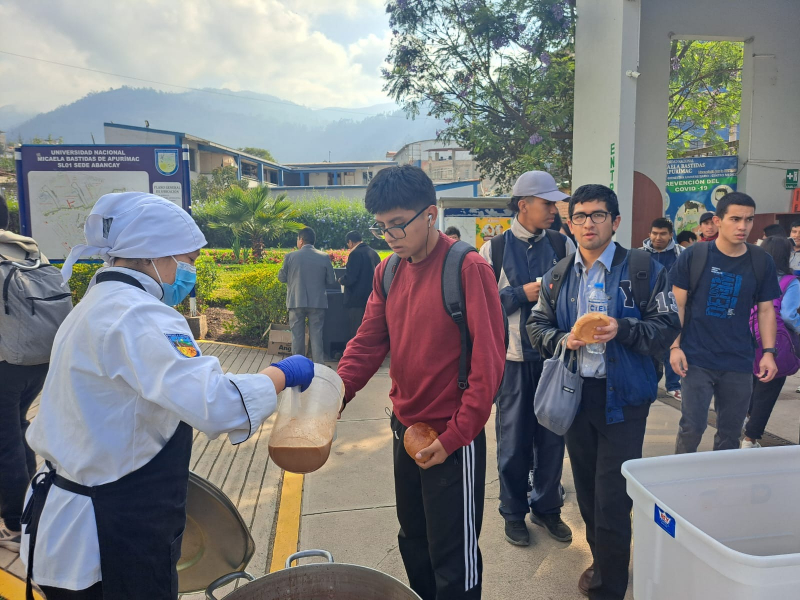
[[618, 385]]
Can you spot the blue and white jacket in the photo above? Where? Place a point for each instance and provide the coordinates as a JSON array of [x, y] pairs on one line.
[[630, 373]]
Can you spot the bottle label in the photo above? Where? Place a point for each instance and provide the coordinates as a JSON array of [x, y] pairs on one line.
[[600, 307]]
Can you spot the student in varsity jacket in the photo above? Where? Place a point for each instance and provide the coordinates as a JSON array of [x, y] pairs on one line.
[[618, 385]]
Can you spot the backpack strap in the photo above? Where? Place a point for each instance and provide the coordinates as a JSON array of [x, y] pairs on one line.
[[758, 260], [558, 242], [557, 278], [6, 284], [697, 265], [389, 273], [639, 271], [498, 246], [454, 303], [121, 277]]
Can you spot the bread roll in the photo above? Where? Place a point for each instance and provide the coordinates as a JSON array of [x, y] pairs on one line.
[[418, 437], [584, 328]]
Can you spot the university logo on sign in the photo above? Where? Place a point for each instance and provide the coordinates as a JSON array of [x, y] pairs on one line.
[[167, 162]]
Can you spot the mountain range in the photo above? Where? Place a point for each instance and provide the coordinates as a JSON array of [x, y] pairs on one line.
[[292, 132]]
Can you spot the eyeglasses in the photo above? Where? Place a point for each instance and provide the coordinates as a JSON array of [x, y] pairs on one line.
[[396, 232], [598, 216]]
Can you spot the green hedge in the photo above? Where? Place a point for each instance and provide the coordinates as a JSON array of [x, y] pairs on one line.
[[82, 274], [13, 215], [259, 299], [332, 219]]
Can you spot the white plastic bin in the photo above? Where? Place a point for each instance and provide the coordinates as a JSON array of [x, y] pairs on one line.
[[716, 525]]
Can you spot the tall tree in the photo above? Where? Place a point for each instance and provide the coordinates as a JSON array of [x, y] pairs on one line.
[[705, 93], [253, 215], [500, 73], [221, 179], [259, 152]]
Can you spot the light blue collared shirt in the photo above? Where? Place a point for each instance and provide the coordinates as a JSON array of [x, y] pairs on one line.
[[592, 365]]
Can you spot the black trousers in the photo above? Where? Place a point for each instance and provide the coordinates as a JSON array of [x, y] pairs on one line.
[[440, 511], [597, 451], [355, 314], [94, 592], [762, 401], [519, 436], [19, 386]]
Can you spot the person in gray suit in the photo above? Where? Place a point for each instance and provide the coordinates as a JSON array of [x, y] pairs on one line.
[[306, 273]]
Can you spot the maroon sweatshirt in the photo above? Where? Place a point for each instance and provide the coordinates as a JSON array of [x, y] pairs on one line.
[[426, 346]]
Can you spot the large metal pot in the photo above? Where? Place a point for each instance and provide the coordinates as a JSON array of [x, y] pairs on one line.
[[328, 580]]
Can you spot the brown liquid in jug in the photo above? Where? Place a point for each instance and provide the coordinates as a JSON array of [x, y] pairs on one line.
[[299, 449]]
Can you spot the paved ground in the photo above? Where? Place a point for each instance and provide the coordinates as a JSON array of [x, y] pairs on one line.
[[347, 507]]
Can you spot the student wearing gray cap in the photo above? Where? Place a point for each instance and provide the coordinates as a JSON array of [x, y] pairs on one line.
[[520, 257]]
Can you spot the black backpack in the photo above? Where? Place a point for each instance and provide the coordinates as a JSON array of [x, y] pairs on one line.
[[498, 242], [452, 297], [638, 268]]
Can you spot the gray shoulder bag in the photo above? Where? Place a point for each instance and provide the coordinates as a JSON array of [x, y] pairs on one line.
[[559, 392]]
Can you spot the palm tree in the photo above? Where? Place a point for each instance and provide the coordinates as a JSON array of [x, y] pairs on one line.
[[254, 215]]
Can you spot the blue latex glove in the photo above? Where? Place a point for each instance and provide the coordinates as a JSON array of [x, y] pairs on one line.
[[298, 370]]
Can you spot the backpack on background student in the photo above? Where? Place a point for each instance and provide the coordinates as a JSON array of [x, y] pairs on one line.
[[35, 302], [787, 342]]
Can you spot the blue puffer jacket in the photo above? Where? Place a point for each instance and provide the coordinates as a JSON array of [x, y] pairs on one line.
[[630, 374]]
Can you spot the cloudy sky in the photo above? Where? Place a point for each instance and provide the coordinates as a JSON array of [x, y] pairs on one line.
[[313, 52]]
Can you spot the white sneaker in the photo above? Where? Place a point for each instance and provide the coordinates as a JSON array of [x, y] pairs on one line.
[[748, 444], [675, 394], [798, 389], [9, 539]]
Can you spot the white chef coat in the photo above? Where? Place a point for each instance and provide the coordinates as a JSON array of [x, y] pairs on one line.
[[116, 391]]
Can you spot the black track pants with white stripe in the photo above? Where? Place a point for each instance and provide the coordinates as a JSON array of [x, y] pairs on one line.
[[440, 511]]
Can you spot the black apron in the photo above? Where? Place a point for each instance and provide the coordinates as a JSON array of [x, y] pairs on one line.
[[140, 517]]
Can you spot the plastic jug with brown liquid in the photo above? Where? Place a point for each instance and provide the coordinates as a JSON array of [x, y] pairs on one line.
[[306, 423]]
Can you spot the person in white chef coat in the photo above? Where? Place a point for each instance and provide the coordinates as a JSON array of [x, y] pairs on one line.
[[127, 383]]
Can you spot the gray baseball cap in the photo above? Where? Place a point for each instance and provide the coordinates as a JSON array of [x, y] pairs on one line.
[[539, 184]]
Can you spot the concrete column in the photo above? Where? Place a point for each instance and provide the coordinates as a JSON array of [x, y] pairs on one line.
[[606, 47]]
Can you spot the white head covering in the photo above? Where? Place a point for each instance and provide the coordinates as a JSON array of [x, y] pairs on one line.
[[135, 225]]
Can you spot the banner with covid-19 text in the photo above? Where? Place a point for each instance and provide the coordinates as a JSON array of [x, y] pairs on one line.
[[695, 185]]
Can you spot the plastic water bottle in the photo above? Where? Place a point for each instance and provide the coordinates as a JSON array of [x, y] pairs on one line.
[[597, 302]]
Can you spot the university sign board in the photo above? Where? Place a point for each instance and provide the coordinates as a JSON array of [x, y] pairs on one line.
[[695, 185], [59, 185]]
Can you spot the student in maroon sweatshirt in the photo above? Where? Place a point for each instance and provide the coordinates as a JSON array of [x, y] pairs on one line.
[[440, 494]]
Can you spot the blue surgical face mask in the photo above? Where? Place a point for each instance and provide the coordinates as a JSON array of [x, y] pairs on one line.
[[185, 279]]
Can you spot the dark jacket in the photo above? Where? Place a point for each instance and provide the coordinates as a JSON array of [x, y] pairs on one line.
[[630, 374], [667, 256], [357, 281], [306, 272]]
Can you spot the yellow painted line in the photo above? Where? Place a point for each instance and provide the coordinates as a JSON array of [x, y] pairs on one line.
[[287, 532], [13, 588]]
